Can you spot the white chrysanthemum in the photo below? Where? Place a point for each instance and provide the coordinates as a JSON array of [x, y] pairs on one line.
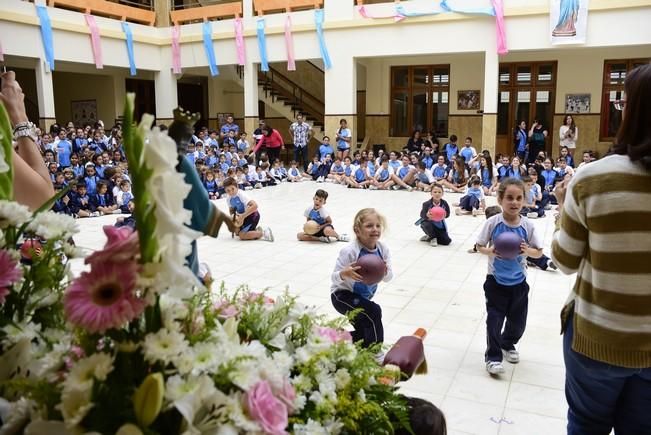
[[13, 214], [172, 310], [168, 190], [14, 333], [206, 359], [50, 226], [81, 376], [342, 378], [164, 345], [302, 382], [361, 394], [74, 406], [310, 428], [177, 387]]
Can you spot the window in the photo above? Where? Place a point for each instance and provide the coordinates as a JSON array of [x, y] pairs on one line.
[[419, 99], [615, 72]]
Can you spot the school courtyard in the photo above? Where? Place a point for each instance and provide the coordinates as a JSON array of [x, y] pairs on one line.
[[437, 288]]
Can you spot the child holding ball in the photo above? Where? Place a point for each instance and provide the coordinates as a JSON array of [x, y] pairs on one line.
[[319, 215], [506, 289], [436, 232], [348, 292]]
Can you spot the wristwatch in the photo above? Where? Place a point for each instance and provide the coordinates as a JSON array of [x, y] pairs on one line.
[[25, 129]]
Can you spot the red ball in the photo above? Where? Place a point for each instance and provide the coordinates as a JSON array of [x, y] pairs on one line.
[[31, 248], [372, 268], [437, 214], [507, 244]]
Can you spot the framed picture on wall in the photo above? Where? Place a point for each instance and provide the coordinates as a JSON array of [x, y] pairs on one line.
[[83, 112], [468, 100], [577, 103]]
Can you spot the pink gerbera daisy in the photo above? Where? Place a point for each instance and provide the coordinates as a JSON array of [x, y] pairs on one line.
[[105, 297], [10, 273]]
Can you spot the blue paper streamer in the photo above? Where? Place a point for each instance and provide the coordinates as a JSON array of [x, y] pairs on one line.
[[46, 35], [262, 45], [132, 63], [209, 48], [473, 11], [318, 20], [400, 10]]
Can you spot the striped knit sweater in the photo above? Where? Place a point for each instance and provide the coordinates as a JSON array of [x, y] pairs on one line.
[[605, 237]]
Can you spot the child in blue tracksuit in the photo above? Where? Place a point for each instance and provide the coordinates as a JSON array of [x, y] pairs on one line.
[[348, 292], [506, 289], [436, 233], [474, 198]]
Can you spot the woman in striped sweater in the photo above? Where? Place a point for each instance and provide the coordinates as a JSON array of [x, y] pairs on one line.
[[605, 237]]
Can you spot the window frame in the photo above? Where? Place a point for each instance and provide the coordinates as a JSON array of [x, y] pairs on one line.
[[607, 87], [410, 90]]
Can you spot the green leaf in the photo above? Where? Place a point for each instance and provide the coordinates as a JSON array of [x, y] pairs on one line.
[[6, 135]]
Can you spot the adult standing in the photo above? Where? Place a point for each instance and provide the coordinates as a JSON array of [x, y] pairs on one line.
[[605, 236], [537, 138], [228, 127], [32, 184], [343, 138], [520, 139], [302, 133], [569, 134], [272, 142], [257, 133]]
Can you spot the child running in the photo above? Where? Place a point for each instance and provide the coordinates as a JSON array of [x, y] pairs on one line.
[[348, 292], [246, 214], [319, 215], [436, 233], [506, 289]]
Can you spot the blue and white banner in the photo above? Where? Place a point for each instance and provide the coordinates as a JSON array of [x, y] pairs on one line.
[[209, 48]]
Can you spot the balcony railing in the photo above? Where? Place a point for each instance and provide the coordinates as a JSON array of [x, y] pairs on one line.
[[262, 7], [110, 9], [216, 11]]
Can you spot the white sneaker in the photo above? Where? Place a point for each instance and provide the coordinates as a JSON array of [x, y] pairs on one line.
[[95, 214], [258, 186], [372, 187], [343, 238], [434, 243], [494, 367], [511, 356], [409, 189], [532, 215], [548, 207], [267, 235], [475, 212], [319, 179], [395, 187], [551, 265], [248, 187], [324, 239], [425, 239]]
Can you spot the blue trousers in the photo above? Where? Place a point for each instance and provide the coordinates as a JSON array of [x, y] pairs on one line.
[[367, 323], [602, 396], [469, 202], [508, 303]]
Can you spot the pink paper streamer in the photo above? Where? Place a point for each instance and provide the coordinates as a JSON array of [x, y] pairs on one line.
[[2, 53], [95, 40], [364, 13], [176, 49], [498, 5], [239, 41], [289, 43]]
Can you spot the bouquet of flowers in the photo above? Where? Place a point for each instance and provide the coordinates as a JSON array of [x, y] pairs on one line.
[[137, 345]]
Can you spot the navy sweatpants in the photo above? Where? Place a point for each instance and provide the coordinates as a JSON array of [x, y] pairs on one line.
[[469, 202], [435, 232], [368, 323], [508, 303]]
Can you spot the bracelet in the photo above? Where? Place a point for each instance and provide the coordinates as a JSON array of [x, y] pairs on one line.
[[23, 126]]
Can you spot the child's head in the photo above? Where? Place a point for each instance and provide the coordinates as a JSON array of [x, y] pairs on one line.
[[532, 172], [326, 139], [562, 162], [53, 167], [230, 186], [102, 187], [454, 138], [515, 162], [564, 151], [510, 195], [587, 156], [437, 191], [315, 159], [548, 163], [125, 186], [424, 418], [49, 155], [59, 178], [293, 163], [131, 206], [90, 169], [368, 226], [81, 189], [468, 141], [492, 211], [347, 160], [475, 181], [210, 175], [441, 160], [68, 174], [320, 198], [528, 181]]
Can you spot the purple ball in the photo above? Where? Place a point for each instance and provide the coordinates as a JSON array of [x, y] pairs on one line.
[[372, 268], [507, 245]]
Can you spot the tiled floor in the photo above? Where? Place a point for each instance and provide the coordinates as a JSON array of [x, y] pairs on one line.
[[436, 288]]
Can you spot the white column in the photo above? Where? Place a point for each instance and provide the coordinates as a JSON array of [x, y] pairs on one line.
[[341, 86], [250, 90], [166, 94], [45, 94], [491, 73]]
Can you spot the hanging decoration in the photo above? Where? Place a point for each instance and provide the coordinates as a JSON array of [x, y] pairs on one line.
[[2, 53], [46, 35], [239, 41], [132, 62], [262, 45], [318, 20], [496, 9], [289, 43], [95, 41], [176, 49], [210, 48]]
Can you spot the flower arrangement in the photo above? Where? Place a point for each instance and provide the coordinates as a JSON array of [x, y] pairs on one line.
[[136, 345]]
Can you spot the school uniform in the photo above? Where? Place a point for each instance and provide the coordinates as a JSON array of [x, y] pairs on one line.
[[211, 187], [468, 153], [348, 295], [102, 200], [319, 216], [450, 151], [324, 150], [238, 203], [435, 230], [439, 172], [383, 174], [64, 150], [472, 199], [91, 184], [122, 200], [428, 161], [506, 289]]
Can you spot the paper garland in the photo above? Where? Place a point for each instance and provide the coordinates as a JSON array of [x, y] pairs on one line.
[[132, 62], [95, 41], [46, 35], [318, 20], [209, 48], [2, 53], [498, 5], [240, 47], [176, 49], [262, 45], [289, 43]]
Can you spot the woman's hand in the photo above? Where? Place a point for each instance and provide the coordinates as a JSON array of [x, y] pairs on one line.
[[13, 98], [350, 272]]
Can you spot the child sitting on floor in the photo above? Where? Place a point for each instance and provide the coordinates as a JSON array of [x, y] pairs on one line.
[[319, 215]]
